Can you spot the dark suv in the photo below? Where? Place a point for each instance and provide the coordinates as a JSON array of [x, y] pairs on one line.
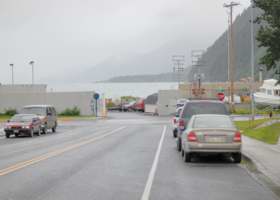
[[195, 107]]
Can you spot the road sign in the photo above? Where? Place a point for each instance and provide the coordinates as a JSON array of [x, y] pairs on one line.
[[96, 96], [221, 96]]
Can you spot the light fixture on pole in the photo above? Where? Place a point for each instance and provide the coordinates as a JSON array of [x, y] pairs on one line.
[[12, 70], [31, 63]]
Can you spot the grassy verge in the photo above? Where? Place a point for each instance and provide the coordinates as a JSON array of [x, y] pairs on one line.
[[71, 118], [269, 134], [4, 118], [244, 111]]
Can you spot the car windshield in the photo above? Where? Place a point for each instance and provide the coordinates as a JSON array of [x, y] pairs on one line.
[[21, 118], [34, 110], [212, 121], [197, 108]]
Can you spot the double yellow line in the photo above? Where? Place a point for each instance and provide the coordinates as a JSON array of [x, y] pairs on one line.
[[54, 153]]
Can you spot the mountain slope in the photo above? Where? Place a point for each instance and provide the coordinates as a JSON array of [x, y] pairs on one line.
[[215, 59]]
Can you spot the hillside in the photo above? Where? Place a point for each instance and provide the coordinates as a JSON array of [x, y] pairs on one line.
[[216, 57]]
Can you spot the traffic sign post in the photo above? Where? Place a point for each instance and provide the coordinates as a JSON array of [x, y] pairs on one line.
[[96, 97]]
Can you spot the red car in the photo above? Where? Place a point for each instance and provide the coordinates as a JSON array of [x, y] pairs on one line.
[[23, 124], [140, 106]]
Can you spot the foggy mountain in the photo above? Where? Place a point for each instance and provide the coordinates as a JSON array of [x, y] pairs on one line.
[[215, 60]]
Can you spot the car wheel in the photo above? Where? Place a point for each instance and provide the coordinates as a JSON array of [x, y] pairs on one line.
[[39, 132], [237, 157], [187, 157], [54, 129], [31, 133], [174, 133], [16, 134], [7, 135], [179, 144]]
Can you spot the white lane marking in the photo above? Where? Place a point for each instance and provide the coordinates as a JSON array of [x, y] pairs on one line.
[[148, 187]]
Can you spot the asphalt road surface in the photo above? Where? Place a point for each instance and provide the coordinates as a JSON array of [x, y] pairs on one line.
[[126, 157]]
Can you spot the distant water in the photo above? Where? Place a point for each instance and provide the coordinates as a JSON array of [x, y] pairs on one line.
[[115, 90]]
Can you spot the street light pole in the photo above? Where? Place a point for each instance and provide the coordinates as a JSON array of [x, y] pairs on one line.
[[252, 61], [231, 53], [32, 66], [12, 69]]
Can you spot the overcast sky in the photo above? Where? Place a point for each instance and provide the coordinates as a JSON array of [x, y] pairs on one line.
[[64, 36]]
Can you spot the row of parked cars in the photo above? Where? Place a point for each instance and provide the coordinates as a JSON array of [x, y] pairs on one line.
[[206, 127], [32, 119]]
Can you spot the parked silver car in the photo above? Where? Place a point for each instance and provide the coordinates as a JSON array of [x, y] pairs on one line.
[[46, 113], [211, 134]]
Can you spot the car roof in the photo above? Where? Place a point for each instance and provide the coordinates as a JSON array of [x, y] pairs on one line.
[[37, 106]]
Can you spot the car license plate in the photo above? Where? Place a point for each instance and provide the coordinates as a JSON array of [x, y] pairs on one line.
[[16, 131], [215, 139]]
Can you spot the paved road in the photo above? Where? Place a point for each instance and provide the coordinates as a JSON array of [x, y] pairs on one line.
[[127, 157]]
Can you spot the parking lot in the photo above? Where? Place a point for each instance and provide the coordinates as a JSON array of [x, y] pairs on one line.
[[127, 156]]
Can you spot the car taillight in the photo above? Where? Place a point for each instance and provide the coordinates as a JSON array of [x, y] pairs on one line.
[[181, 124], [192, 137], [237, 137]]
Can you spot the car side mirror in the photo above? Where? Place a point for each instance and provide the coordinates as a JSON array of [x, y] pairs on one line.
[[177, 115]]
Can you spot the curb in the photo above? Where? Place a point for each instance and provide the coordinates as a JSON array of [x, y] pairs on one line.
[[259, 176]]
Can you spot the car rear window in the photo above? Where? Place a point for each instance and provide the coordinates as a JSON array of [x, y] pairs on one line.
[[196, 108], [212, 122], [34, 110]]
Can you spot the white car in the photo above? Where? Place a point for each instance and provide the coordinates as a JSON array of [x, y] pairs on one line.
[[175, 121]]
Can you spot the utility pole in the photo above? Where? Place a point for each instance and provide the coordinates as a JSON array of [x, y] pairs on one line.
[[31, 63], [12, 69], [196, 56], [178, 66], [231, 53], [252, 61]]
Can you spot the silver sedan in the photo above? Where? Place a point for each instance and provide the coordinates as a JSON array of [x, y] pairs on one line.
[[211, 134]]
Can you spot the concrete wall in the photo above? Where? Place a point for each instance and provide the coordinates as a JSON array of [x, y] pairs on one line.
[[150, 108], [167, 100], [63, 100], [18, 96]]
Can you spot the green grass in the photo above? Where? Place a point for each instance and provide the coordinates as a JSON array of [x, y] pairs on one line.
[[4, 118], [71, 118], [244, 111], [269, 134]]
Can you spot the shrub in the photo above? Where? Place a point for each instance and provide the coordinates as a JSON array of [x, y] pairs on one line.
[[75, 111], [10, 112]]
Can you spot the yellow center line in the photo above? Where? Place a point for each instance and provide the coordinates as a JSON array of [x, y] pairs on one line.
[[54, 153]]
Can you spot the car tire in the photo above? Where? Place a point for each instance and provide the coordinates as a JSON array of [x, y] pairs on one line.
[[7, 135], [54, 128], [39, 132], [31, 133], [187, 157], [16, 135], [179, 144], [175, 133], [237, 157]]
